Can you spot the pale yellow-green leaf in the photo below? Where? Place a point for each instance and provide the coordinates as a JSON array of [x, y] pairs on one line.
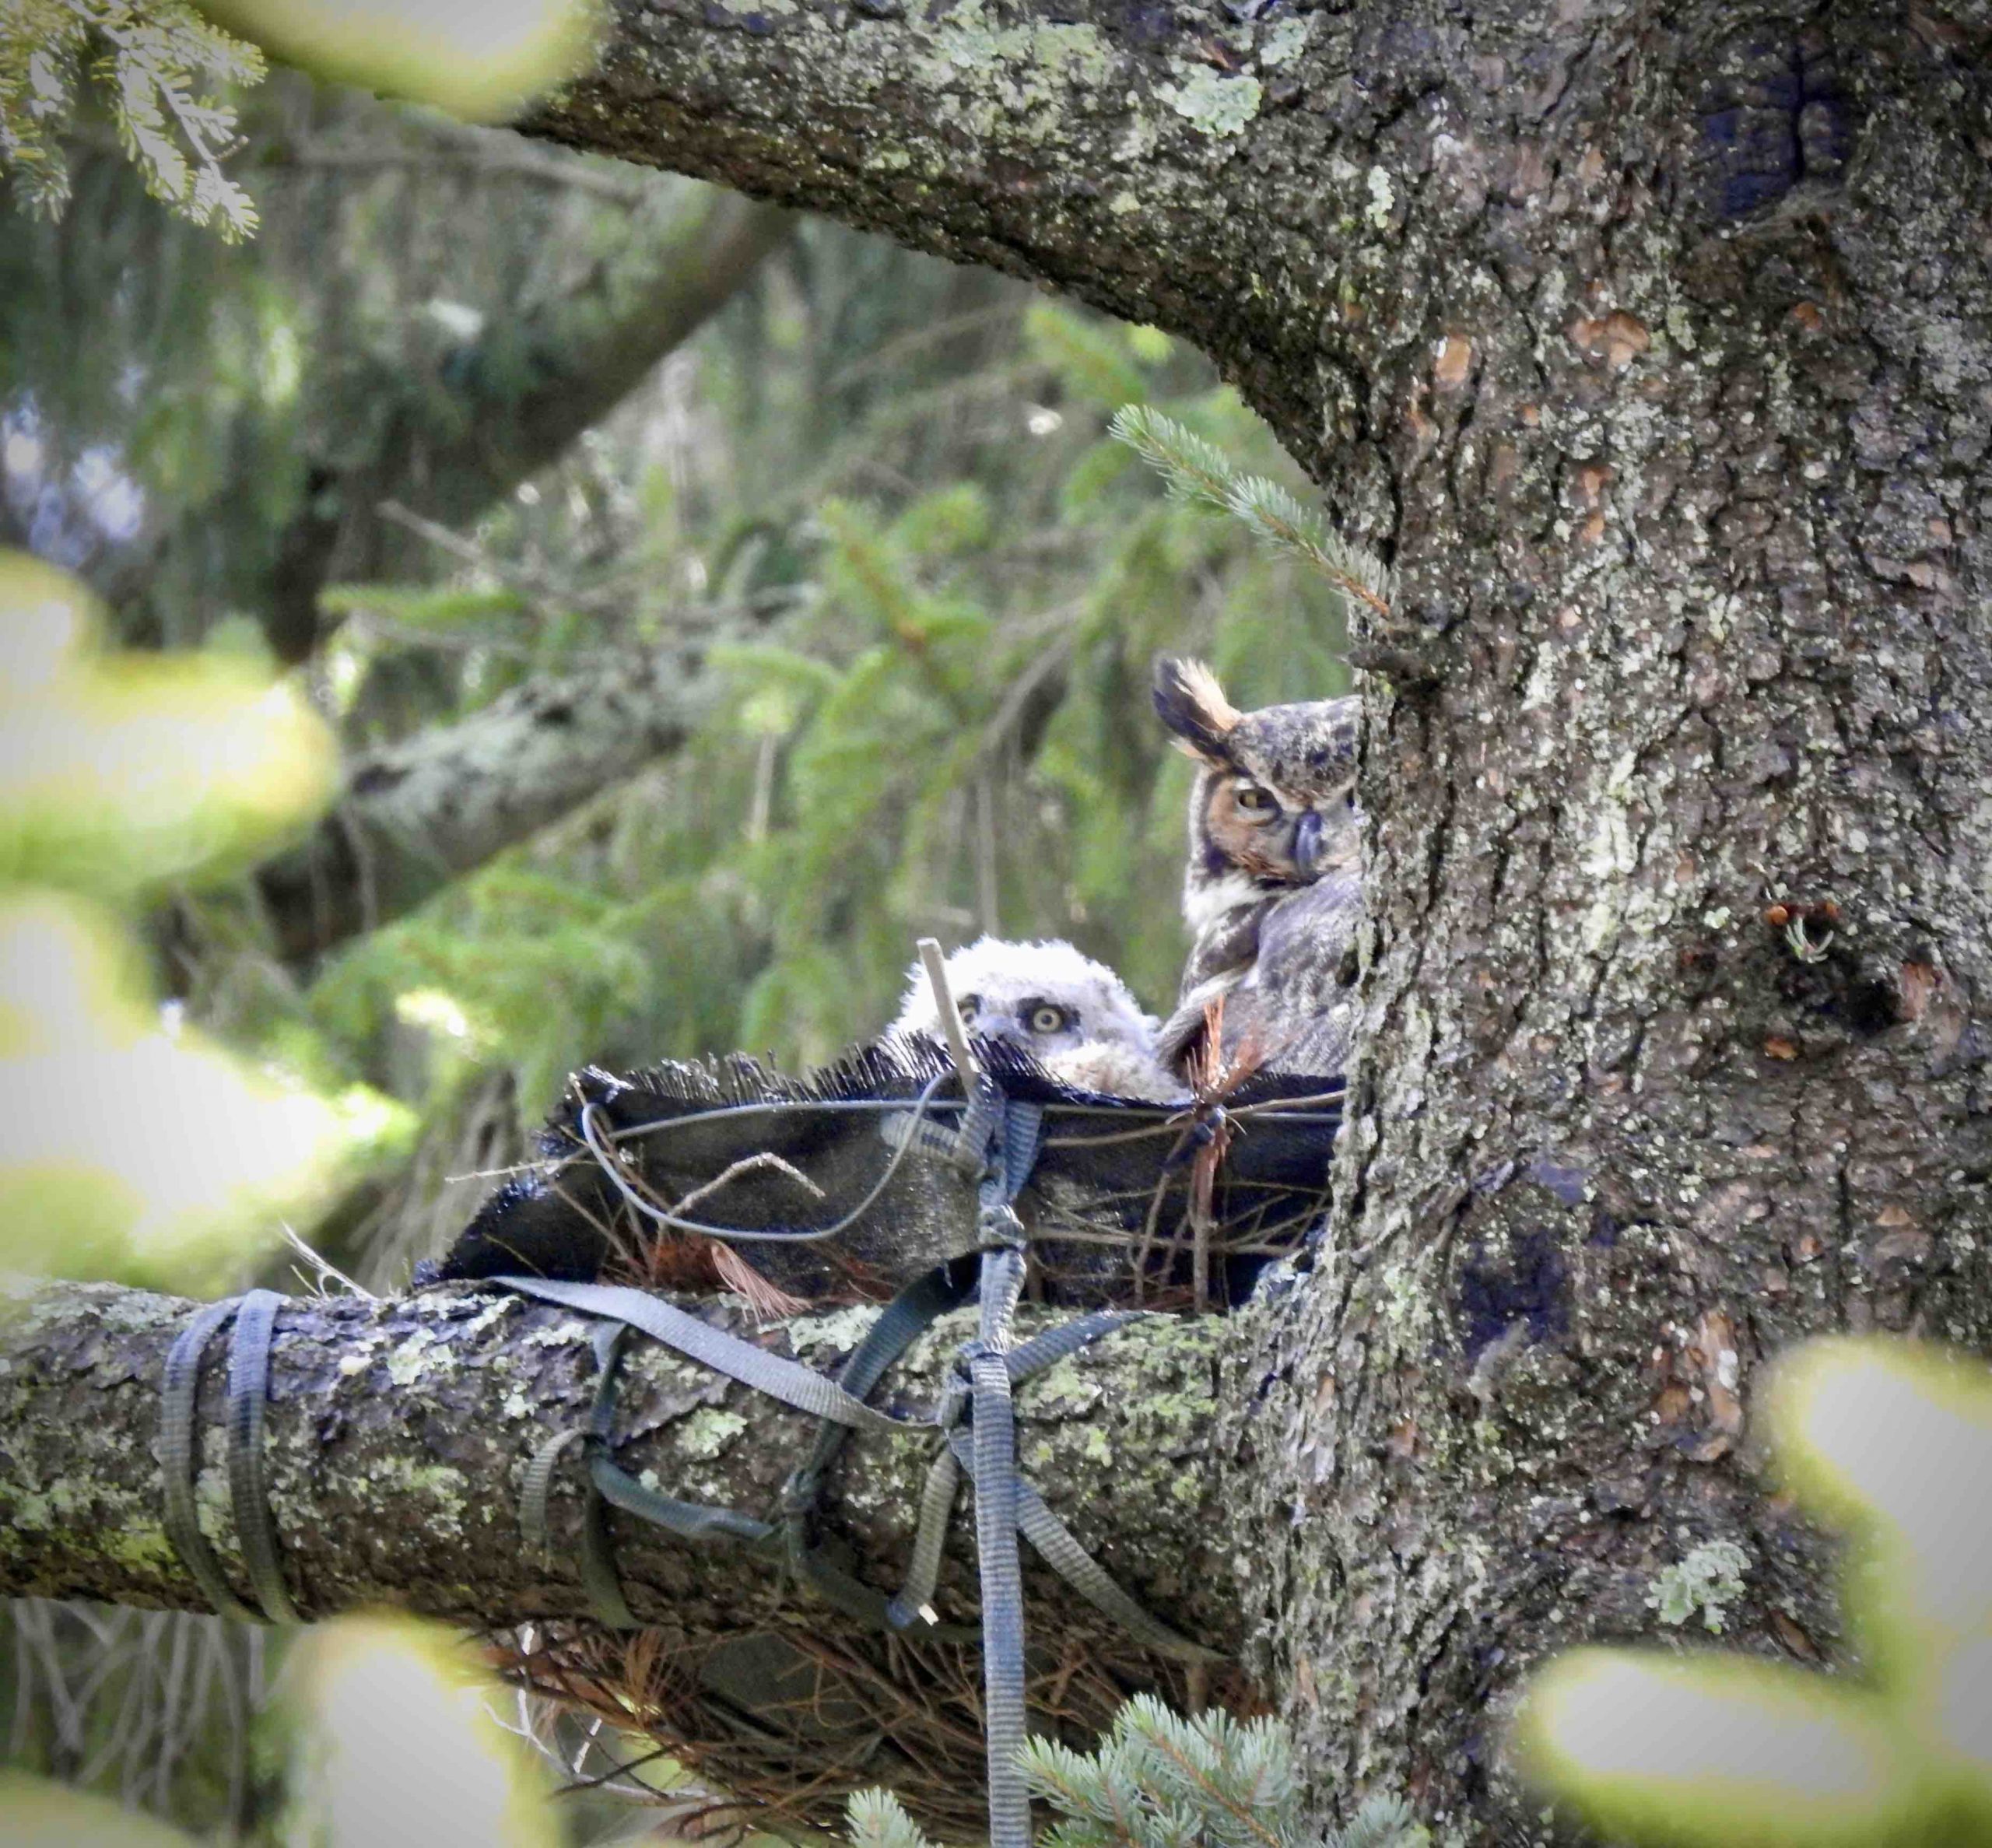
[[1961, 1716], [478, 61], [1655, 1748], [1894, 1442], [119, 771], [400, 1744], [35, 1812], [131, 1151]]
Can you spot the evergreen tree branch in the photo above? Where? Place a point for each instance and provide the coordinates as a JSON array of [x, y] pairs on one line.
[[399, 1430], [415, 815], [1200, 474], [579, 357]]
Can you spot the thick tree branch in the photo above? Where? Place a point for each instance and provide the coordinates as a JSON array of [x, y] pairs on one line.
[[416, 815], [590, 350], [1128, 156], [399, 1431]]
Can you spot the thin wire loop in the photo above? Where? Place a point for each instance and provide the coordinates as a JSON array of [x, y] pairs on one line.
[[605, 1160]]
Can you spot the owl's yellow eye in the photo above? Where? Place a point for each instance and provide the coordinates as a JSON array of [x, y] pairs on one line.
[[1255, 801], [1046, 1018]]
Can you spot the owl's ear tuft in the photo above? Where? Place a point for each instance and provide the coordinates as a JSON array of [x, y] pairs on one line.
[[1189, 702]]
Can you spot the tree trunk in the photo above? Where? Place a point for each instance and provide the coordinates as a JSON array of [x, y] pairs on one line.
[[1653, 345]]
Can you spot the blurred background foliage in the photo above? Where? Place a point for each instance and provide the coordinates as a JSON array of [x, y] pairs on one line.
[[466, 420], [872, 494]]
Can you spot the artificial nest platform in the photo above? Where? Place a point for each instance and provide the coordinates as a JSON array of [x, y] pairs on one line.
[[1130, 1203], [763, 1160]]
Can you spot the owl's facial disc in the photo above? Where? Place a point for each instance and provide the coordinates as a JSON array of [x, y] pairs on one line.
[[1275, 838]]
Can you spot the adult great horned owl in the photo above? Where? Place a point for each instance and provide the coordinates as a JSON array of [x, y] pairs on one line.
[[1075, 1016], [1273, 891]]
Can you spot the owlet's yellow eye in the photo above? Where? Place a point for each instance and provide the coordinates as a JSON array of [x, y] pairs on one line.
[[1254, 800], [1046, 1018]]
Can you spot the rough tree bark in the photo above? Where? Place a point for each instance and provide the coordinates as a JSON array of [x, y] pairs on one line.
[[399, 1433], [1653, 345]]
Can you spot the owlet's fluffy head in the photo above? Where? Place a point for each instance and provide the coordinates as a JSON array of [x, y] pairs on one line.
[[1275, 807], [1075, 1016]]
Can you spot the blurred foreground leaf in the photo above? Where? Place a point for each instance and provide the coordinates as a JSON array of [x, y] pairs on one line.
[[1894, 1442], [130, 1148], [119, 772], [36, 1812], [399, 1743], [132, 1152], [477, 61]]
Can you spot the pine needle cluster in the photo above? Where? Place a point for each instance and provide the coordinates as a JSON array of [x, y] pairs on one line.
[[1200, 474], [1161, 1780], [164, 73]]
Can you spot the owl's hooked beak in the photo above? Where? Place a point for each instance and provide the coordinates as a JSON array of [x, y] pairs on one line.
[[1307, 844]]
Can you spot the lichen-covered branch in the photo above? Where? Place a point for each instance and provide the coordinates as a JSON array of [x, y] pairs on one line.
[[399, 1431], [1135, 157], [416, 815]]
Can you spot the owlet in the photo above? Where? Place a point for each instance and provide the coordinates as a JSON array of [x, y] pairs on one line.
[[1075, 1016]]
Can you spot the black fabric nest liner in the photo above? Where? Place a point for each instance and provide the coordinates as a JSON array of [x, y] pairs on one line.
[[748, 1150]]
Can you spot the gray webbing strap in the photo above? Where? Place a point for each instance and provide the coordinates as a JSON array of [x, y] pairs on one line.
[[607, 1484], [1053, 1542], [787, 1380], [254, 1317], [536, 1489], [914, 1601], [248, 1394], [600, 1579], [177, 1389], [688, 1520], [1042, 1350], [903, 1320], [836, 1402], [995, 1448], [915, 1597]]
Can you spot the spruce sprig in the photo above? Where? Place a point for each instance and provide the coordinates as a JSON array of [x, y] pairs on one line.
[[1161, 1780], [1200, 474], [166, 73]]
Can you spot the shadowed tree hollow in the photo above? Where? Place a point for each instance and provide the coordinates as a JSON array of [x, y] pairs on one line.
[[1653, 347]]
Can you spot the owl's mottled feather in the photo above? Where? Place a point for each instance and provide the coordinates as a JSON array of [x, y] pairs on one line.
[[1272, 890]]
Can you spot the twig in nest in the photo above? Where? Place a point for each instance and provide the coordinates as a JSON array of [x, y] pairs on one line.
[[688, 1259], [1212, 1082], [322, 1267]]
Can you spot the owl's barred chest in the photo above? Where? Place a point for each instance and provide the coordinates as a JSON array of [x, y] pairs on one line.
[[1223, 916], [1297, 1000]]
